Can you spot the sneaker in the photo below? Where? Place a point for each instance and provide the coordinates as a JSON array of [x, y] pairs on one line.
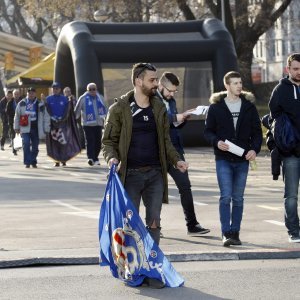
[[197, 230], [90, 162], [97, 162], [294, 238], [34, 166], [235, 238], [153, 283], [226, 239], [27, 166], [57, 164]]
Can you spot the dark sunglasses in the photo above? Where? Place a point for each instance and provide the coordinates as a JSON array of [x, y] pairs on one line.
[[144, 66], [92, 89]]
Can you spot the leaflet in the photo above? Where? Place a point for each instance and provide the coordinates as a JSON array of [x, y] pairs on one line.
[[233, 148], [199, 110]]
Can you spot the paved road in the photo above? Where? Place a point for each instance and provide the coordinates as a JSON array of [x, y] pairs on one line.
[[50, 215], [255, 279]]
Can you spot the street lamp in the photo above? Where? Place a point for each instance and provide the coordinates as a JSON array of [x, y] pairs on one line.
[[101, 15]]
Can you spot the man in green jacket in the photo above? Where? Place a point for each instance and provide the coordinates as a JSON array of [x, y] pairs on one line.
[[136, 135]]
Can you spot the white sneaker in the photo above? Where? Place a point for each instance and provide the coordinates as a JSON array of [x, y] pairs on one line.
[[294, 239]]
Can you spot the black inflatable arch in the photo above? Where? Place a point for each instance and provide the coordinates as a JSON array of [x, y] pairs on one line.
[[82, 47]]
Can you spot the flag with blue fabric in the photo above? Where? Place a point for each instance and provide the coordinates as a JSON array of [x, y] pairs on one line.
[[125, 244]]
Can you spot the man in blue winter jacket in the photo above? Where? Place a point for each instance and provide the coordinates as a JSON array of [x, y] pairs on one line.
[[167, 88], [285, 99]]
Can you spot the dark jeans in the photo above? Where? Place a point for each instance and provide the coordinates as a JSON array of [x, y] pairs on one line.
[[30, 146], [183, 184], [149, 186], [93, 135], [291, 173], [4, 132]]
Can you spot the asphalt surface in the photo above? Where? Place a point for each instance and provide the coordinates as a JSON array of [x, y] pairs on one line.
[[49, 216]]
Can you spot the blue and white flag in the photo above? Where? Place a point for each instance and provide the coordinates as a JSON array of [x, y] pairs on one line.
[[126, 245]]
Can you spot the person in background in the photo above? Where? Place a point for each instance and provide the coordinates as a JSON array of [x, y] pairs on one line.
[[32, 122], [10, 112], [5, 128], [285, 99], [91, 108], [167, 88], [232, 117], [63, 140]]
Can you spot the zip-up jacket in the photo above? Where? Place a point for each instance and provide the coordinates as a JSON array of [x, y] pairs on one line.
[[285, 98], [118, 130], [219, 126]]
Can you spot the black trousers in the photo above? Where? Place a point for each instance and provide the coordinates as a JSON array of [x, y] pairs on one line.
[[183, 184], [93, 135], [4, 132]]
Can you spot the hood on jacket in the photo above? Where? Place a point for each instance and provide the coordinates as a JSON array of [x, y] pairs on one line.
[[288, 82], [216, 97]]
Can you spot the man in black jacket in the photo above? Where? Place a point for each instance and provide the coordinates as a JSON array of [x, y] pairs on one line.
[[232, 118], [285, 98], [4, 119]]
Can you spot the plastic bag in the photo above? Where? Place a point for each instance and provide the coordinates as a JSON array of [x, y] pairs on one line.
[[18, 143]]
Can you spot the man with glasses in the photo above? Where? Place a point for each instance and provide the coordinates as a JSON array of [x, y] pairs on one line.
[[167, 88], [90, 106], [63, 141]]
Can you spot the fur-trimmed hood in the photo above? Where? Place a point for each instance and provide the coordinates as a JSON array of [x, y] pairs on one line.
[[216, 97]]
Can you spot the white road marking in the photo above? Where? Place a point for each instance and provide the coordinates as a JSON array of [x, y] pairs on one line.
[[200, 203], [275, 222], [270, 207], [67, 205]]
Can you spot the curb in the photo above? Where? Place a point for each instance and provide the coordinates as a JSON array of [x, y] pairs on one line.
[[172, 257]]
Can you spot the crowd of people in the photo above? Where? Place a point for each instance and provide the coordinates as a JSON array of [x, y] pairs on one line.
[[140, 132]]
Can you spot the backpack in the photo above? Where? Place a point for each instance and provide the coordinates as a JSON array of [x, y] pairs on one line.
[[286, 136]]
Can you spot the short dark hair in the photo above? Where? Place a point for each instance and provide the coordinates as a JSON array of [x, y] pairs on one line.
[[229, 75], [292, 57], [171, 77], [139, 69]]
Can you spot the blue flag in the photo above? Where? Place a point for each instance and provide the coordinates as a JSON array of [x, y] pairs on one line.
[[125, 244]]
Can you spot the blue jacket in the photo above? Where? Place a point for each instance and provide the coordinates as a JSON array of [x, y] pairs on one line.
[[219, 126]]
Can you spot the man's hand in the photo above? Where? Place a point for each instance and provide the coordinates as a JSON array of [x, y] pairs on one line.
[[223, 146], [251, 155], [113, 161], [182, 166]]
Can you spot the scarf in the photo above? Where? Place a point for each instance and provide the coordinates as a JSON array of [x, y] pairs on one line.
[[31, 108], [91, 115]]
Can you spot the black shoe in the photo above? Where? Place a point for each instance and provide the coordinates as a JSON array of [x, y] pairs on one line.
[[63, 164], [235, 238], [15, 152], [34, 166], [197, 230], [57, 164], [226, 239], [153, 283], [2, 148], [27, 166], [90, 162]]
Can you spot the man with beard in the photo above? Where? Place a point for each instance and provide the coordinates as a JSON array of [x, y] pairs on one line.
[[167, 87], [136, 135], [285, 99]]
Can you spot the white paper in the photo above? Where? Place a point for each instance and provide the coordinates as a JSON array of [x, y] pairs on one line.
[[176, 124], [234, 148], [199, 110]]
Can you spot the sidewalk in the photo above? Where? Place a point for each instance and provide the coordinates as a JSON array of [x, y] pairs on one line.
[[57, 224]]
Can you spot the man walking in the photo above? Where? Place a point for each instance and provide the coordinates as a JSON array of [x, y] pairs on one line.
[[33, 122], [285, 99], [90, 106], [167, 87], [4, 118], [232, 118]]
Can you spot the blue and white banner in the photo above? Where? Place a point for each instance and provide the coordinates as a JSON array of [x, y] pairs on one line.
[[126, 245]]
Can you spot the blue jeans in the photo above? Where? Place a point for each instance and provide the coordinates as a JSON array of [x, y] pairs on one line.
[[232, 178], [30, 146], [149, 186], [291, 174]]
